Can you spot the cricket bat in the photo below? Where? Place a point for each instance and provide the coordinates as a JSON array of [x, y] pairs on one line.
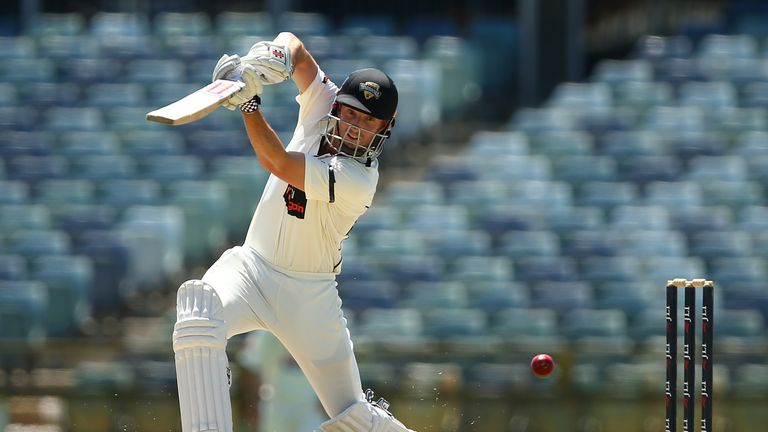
[[197, 105]]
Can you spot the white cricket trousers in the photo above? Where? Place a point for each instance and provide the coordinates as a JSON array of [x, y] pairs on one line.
[[303, 310]]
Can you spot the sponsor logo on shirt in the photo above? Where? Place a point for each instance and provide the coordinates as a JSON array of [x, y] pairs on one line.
[[295, 201]]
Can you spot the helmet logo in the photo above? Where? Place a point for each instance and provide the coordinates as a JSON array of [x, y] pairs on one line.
[[370, 90]]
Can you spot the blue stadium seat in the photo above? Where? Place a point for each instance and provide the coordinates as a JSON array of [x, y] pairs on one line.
[[404, 194], [111, 261], [449, 323], [419, 95], [641, 243], [673, 194], [688, 144], [530, 120], [519, 244], [431, 217], [140, 143], [514, 323], [540, 269], [703, 218], [474, 269], [433, 295], [601, 269], [512, 168], [13, 192], [495, 296], [89, 70], [413, 268], [757, 169], [562, 220], [645, 169], [360, 267], [231, 24], [78, 218], [127, 48], [33, 169], [213, 143], [400, 323], [304, 23], [154, 236], [29, 143], [382, 48], [674, 118], [727, 47], [580, 169], [68, 280], [122, 194], [65, 47], [477, 196], [424, 27], [18, 118], [55, 193], [592, 242], [628, 296], [734, 194], [542, 194], [13, 268], [22, 70], [628, 217], [607, 195], [455, 243], [625, 145], [734, 121], [580, 96], [717, 244], [24, 216], [115, 94], [32, 243], [175, 24], [490, 144], [643, 95], [75, 144], [17, 47], [151, 71], [380, 216], [753, 218], [448, 170], [724, 168], [741, 323], [752, 143], [755, 94], [22, 306], [360, 295], [582, 323], [707, 95], [168, 168], [358, 25], [106, 25], [561, 296], [204, 205], [663, 268], [74, 119], [621, 73], [8, 95], [45, 95], [562, 143], [386, 242], [738, 269], [104, 167], [662, 47], [52, 24]]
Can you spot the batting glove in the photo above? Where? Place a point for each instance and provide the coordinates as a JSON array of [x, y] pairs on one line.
[[253, 87], [271, 61]]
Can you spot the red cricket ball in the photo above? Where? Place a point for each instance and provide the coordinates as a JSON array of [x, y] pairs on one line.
[[542, 365]]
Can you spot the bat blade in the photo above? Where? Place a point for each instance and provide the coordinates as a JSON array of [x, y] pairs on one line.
[[196, 105]]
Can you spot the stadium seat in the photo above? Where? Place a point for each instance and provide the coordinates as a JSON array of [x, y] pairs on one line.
[[642, 243], [601, 269], [580, 95], [230, 24], [734, 194], [404, 194], [607, 195], [174, 24], [701, 218], [629, 217], [580, 243], [753, 218], [22, 306], [542, 194], [623, 145], [431, 217], [140, 143], [26, 143], [204, 205], [76, 144], [627, 296], [717, 244], [31, 243], [495, 296], [512, 168], [33, 169], [580, 169], [404, 269], [77, 218], [55, 193], [74, 119], [112, 94], [383, 48], [519, 244], [473, 269], [106, 25], [68, 280], [673, 194], [643, 95], [386, 242], [477, 196], [455, 243], [448, 323], [62, 48], [621, 73], [52, 24], [368, 24], [490, 144], [562, 143], [122, 194], [424, 27], [13, 267], [707, 95], [304, 23], [209, 144], [111, 261], [424, 296], [154, 236], [151, 71], [22, 70], [516, 323], [540, 269], [89, 70], [13, 192], [448, 170], [562, 220], [165, 169], [24, 217], [104, 167], [17, 47], [582, 323], [361, 295], [642, 170], [663, 268], [738, 269], [390, 326]]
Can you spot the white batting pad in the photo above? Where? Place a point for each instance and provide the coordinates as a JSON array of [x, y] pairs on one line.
[[364, 417], [199, 341]]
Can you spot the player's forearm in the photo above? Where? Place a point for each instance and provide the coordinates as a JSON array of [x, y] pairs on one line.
[[288, 166], [304, 65]]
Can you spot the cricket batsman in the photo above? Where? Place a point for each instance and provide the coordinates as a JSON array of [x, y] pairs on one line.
[[282, 279]]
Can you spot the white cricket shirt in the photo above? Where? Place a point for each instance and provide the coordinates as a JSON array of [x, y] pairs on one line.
[[303, 230]]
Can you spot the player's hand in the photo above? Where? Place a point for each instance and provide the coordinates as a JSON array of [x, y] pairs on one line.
[[272, 62], [226, 68], [253, 87]]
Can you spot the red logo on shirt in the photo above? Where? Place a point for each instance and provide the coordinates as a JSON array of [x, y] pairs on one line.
[[295, 201]]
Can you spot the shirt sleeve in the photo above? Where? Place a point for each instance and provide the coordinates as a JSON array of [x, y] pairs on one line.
[[341, 181], [317, 99]]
